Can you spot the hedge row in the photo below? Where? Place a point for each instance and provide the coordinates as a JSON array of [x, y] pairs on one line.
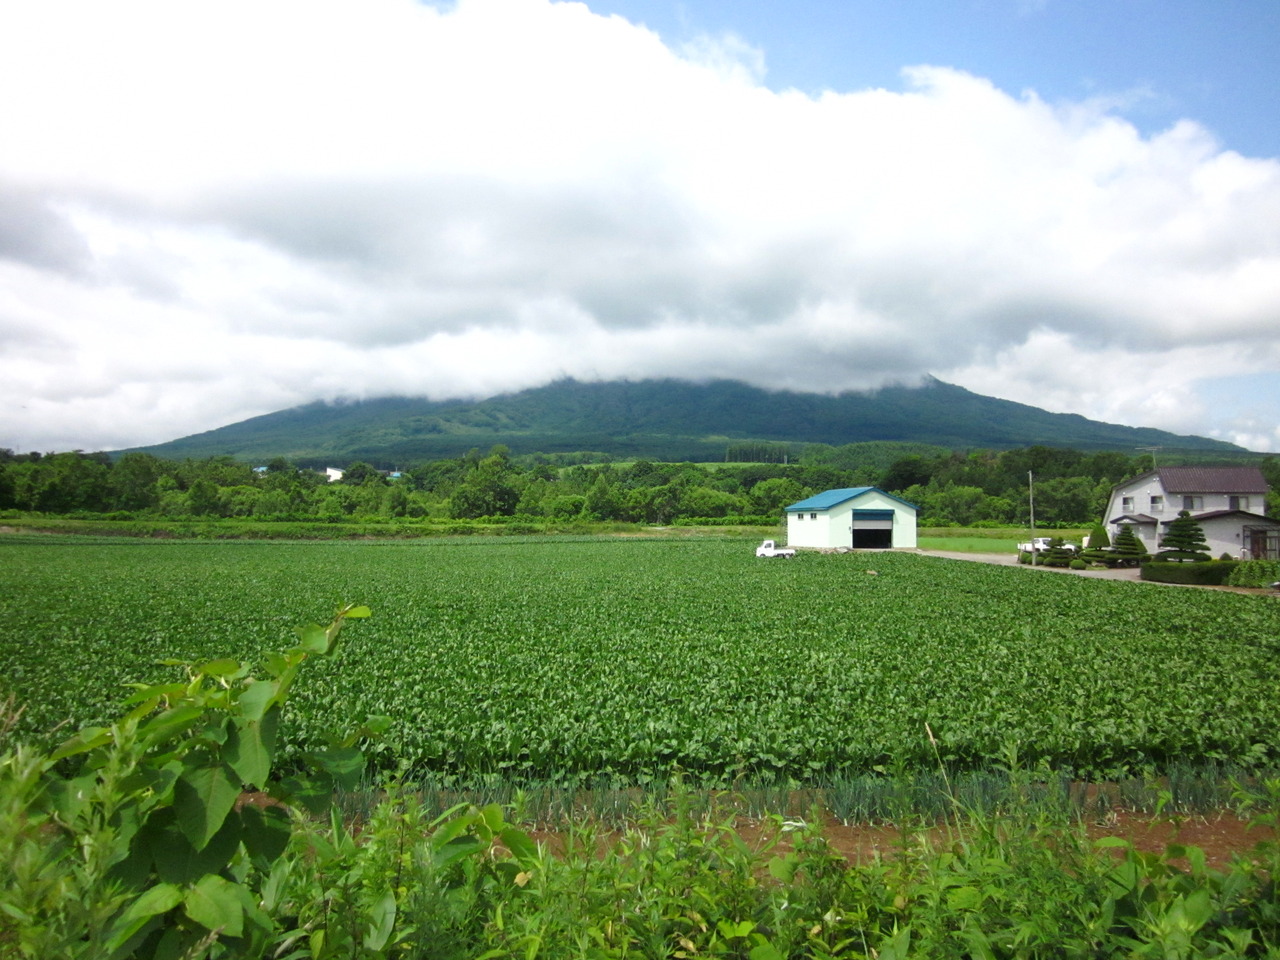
[[1213, 573]]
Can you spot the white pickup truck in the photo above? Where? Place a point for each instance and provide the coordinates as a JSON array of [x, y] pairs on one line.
[[770, 549], [1041, 545]]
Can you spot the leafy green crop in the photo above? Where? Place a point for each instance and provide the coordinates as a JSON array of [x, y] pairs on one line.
[[580, 659]]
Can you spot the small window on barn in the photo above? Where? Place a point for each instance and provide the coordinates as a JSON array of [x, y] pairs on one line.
[[1193, 503], [1157, 504]]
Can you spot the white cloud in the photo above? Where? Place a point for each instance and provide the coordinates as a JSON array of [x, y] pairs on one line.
[[209, 211]]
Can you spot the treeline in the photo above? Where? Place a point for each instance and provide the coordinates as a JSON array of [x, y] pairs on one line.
[[983, 487]]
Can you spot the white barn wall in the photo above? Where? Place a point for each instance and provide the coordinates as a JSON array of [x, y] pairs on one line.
[[833, 528]]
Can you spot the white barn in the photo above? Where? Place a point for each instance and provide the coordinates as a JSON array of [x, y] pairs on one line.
[[855, 517]]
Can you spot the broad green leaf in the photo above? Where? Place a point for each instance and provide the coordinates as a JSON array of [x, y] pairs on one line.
[[382, 921], [159, 899], [766, 951], [457, 849], [169, 724], [202, 798], [214, 904], [521, 846], [1197, 908], [176, 858], [220, 668], [89, 738], [346, 765], [313, 638], [256, 697], [148, 692], [266, 832], [249, 748], [491, 814], [356, 613]]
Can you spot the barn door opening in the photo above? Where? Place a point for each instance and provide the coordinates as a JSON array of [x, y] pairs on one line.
[[872, 529], [872, 539]]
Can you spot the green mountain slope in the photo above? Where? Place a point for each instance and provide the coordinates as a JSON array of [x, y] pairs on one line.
[[659, 419]]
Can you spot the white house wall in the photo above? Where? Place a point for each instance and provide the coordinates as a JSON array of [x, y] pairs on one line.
[[1224, 535], [1142, 489]]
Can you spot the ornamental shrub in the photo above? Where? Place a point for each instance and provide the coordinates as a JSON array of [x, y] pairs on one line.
[[1057, 555], [1212, 573], [1126, 551], [1184, 541], [1255, 573]]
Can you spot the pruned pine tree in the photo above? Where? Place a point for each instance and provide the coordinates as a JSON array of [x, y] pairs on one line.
[[1129, 549], [1184, 541], [1057, 555]]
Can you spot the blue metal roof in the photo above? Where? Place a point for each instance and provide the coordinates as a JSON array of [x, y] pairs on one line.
[[833, 498]]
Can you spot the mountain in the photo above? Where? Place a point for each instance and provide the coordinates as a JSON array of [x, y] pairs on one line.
[[658, 419]]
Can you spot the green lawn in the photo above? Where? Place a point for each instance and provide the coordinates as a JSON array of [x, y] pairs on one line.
[[986, 539]]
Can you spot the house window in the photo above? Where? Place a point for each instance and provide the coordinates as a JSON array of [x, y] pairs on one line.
[[813, 516], [1238, 503], [1193, 503], [1157, 504], [799, 516], [1126, 504]]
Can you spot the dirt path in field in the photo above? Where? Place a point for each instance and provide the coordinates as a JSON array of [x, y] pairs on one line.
[[1220, 835]]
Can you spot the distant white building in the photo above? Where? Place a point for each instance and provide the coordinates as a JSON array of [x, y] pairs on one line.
[[855, 517], [1228, 502], [333, 473]]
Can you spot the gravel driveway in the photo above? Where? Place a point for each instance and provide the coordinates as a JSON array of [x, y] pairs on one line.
[[1011, 560]]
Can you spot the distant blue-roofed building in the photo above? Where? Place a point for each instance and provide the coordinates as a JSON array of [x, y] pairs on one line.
[[852, 518]]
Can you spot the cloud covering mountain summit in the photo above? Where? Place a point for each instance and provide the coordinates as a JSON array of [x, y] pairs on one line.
[[209, 211]]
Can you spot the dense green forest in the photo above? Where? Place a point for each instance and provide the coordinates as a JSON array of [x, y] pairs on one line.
[[980, 487], [662, 420]]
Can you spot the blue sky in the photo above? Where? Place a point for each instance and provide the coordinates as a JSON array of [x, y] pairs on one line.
[[215, 209], [1214, 61]]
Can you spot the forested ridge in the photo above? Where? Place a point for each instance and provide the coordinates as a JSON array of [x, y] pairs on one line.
[[667, 420], [976, 487]]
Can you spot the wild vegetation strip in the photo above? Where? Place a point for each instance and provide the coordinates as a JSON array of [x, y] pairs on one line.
[[597, 660]]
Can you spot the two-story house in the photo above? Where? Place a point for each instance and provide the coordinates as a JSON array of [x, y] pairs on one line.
[[1228, 502]]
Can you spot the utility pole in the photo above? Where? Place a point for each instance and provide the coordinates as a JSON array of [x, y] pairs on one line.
[[1031, 499]]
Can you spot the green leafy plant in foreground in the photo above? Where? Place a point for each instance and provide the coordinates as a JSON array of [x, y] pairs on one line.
[[143, 848], [146, 849]]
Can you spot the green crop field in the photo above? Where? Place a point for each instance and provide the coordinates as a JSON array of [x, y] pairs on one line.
[[575, 659]]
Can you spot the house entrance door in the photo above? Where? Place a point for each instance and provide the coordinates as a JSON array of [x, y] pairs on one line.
[[1263, 543]]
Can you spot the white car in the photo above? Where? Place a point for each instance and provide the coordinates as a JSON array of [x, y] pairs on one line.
[[770, 549], [1041, 545]]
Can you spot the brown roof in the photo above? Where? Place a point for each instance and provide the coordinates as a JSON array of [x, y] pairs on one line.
[[1212, 480], [1214, 514]]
